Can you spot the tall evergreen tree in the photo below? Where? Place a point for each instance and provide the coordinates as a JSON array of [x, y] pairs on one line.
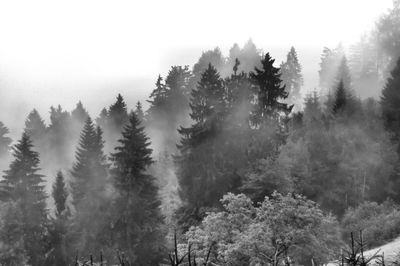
[[23, 185], [201, 173], [269, 90], [136, 208], [60, 194], [5, 141], [139, 111], [291, 76], [343, 74], [118, 114], [90, 167], [58, 225], [35, 126], [390, 102], [89, 189], [340, 99], [79, 114]]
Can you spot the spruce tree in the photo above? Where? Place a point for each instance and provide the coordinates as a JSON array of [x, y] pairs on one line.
[[60, 194], [390, 102], [343, 74], [340, 99], [291, 76], [35, 126], [79, 114], [136, 208], [89, 185], [90, 167], [118, 114], [200, 164], [269, 91], [5, 141], [139, 111], [58, 225], [24, 186]]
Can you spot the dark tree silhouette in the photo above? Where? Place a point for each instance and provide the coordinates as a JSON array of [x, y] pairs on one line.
[[24, 186], [136, 209]]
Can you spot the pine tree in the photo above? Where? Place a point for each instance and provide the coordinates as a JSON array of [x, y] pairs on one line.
[[268, 91], [88, 188], [343, 74], [118, 114], [90, 166], [291, 76], [35, 126], [137, 207], [79, 114], [390, 102], [4, 140], [312, 107], [60, 194], [59, 137], [58, 225], [23, 185], [139, 111], [201, 173], [340, 99]]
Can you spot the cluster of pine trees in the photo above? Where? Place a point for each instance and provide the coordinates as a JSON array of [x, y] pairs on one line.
[[227, 125]]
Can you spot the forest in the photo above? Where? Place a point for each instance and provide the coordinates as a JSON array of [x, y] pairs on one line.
[[228, 164]]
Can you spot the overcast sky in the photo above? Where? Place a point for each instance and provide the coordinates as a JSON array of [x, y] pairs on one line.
[[61, 51]]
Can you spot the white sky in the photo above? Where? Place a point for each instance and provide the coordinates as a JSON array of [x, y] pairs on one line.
[[61, 51]]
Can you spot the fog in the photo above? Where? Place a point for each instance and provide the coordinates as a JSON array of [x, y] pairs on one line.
[[59, 53], [152, 123]]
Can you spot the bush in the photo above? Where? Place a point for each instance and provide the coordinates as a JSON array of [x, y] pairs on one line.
[[380, 223]]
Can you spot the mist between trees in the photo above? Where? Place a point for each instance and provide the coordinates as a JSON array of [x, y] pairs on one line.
[[229, 165]]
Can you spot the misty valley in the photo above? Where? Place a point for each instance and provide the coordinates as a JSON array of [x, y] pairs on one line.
[[228, 162]]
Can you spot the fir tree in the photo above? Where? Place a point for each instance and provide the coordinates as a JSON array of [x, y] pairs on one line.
[[139, 111], [58, 225], [268, 92], [24, 186], [201, 173], [137, 207], [343, 74], [118, 114], [291, 76], [35, 126], [340, 99], [390, 102], [4, 140], [60, 194], [90, 167], [88, 189], [79, 114]]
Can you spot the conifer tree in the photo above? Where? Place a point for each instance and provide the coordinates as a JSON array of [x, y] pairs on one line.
[[269, 91], [340, 99], [291, 76], [136, 207], [35, 126], [58, 225], [343, 74], [390, 102], [24, 186], [139, 111], [118, 114], [88, 189], [5, 141], [90, 167], [79, 114], [60, 194], [201, 172]]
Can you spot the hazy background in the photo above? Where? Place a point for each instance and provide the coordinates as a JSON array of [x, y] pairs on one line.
[[59, 52]]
